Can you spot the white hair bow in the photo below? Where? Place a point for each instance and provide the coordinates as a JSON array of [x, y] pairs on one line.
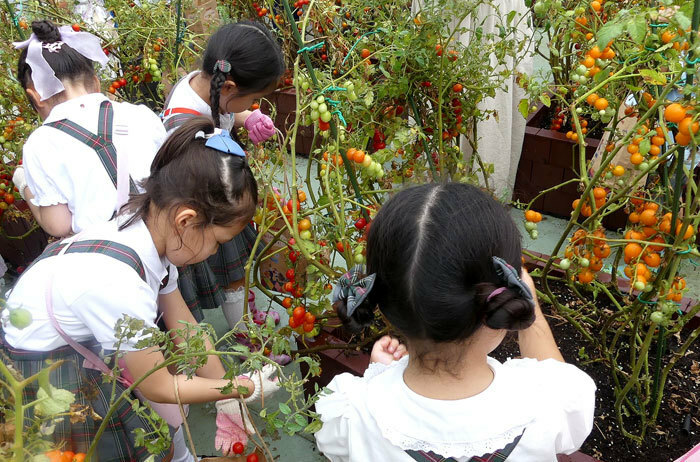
[[44, 78]]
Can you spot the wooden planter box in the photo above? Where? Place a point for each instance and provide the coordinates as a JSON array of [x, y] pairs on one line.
[[21, 252], [547, 159], [286, 105]]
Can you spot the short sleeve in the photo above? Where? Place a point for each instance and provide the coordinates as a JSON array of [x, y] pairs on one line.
[[172, 281], [336, 411], [42, 184], [569, 393], [107, 301]]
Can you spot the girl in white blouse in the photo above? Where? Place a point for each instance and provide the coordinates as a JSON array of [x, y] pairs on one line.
[[71, 162], [444, 264], [199, 195]]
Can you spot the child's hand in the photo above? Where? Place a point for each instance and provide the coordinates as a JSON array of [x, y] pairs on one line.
[[386, 350]]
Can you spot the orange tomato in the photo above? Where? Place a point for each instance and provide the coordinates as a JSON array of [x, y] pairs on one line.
[[689, 231], [585, 276], [599, 193], [601, 104], [658, 140], [674, 112], [601, 251], [685, 126], [654, 150], [648, 217], [618, 170], [595, 52], [592, 98], [652, 259], [632, 251], [636, 159], [682, 139], [596, 264], [658, 240], [679, 283], [667, 36], [304, 224], [634, 218]]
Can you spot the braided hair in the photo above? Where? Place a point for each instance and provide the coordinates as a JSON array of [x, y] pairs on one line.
[[246, 53]]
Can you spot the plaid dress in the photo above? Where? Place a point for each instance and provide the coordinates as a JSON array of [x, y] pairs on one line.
[[499, 455], [202, 285], [117, 443]]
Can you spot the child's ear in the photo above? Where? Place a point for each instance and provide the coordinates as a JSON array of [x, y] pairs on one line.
[[229, 88], [185, 217], [42, 107]]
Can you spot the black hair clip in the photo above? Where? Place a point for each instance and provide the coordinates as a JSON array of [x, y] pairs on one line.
[[510, 277], [223, 66]]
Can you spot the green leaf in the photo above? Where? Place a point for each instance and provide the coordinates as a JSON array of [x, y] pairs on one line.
[[545, 99], [285, 409], [644, 146], [313, 427], [59, 401], [608, 32], [637, 28], [510, 17], [653, 77], [524, 107], [44, 381], [301, 420], [263, 413]]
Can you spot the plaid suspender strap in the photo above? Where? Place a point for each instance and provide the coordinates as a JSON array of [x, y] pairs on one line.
[[422, 456], [100, 143], [177, 118], [112, 249]]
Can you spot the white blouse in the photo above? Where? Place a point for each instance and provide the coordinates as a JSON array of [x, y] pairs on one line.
[[184, 96], [62, 170], [547, 404], [91, 292]]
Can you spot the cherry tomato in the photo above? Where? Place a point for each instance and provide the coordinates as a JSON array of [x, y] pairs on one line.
[[299, 313], [308, 327], [122, 82], [76, 27], [252, 458], [299, 292], [289, 287], [287, 302], [9, 198], [238, 448], [340, 247], [290, 274], [293, 257], [360, 224], [309, 318]]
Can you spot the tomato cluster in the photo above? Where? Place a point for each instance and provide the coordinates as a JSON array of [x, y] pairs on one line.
[[65, 456], [239, 448]]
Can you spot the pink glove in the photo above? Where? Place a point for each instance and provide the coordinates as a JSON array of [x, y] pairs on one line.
[[259, 126], [231, 426]]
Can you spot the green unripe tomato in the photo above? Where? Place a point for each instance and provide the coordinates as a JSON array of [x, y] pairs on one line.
[[20, 318], [314, 105], [305, 85], [320, 99], [584, 262], [540, 9], [530, 226], [322, 107], [350, 85], [380, 174], [565, 263], [579, 11], [359, 259], [306, 234], [3, 186], [326, 116], [326, 134], [657, 317], [608, 175], [534, 234], [290, 311], [581, 69], [667, 308], [639, 285], [644, 166], [367, 161], [2, 140], [315, 115]]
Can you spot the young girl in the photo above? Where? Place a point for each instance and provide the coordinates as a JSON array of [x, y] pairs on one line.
[[242, 63], [444, 264], [87, 145], [200, 194]]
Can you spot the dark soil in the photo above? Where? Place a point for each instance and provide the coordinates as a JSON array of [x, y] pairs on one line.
[[668, 440]]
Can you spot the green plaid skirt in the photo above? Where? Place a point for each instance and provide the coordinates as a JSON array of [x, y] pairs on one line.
[[117, 443], [202, 284]]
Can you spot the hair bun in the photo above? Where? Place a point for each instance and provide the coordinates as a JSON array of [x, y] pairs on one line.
[[358, 320], [507, 310], [46, 31]]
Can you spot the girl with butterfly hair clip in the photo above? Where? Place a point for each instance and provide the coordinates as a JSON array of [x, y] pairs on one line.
[[89, 154], [242, 62], [444, 271], [200, 193]]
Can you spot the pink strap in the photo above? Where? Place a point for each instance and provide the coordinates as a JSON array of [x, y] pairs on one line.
[[500, 290], [92, 361]]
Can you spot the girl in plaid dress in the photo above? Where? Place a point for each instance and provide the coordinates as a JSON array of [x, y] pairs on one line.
[[242, 62], [200, 194], [444, 270], [69, 172]]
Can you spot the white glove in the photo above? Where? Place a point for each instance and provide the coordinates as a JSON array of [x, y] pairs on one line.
[[232, 425], [264, 383], [19, 181]]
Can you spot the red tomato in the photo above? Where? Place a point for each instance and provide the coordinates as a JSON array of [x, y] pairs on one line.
[[360, 224], [309, 318], [252, 458], [299, 292], [76, 27], [290, 274], [299, 313], [293, 257], [238, 448], [308, 327], [289, 287], [122, 82], [287, 302], [340, 247], [9, 198]]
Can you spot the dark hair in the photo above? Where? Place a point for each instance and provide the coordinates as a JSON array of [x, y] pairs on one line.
[[66, 63], [219, 186], [254, 55], [431, 247]]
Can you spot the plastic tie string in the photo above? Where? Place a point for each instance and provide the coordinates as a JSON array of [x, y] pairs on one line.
[[313, 47], [358, 41]]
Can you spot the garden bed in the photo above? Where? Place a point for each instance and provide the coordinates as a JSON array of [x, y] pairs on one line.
[[668, 440]]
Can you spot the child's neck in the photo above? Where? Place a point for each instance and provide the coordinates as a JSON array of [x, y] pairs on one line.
[[201, 85], [469, 377]]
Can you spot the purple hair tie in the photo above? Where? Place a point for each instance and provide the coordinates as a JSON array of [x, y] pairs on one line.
[[498, 291]]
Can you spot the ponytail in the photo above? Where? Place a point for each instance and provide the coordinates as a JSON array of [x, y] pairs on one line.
[[219, 186]]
